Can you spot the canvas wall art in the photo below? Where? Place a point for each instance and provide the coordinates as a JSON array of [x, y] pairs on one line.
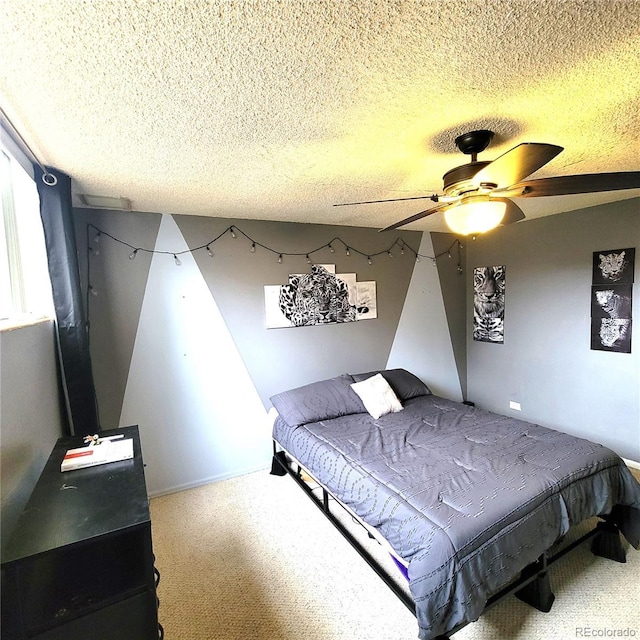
[[611, 300], [319, 297], [489, 285]]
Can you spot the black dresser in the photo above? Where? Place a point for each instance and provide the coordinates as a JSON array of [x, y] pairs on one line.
[[79, 564]]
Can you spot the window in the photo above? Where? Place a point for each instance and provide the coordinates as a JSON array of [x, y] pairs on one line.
[[25, 288]]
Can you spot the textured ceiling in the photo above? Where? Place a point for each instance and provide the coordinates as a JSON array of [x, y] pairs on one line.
[[276, 110]]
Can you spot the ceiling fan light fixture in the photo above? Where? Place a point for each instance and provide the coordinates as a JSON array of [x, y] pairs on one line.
[[475, 216]]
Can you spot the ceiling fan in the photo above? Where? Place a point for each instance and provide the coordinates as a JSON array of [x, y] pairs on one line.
[[477, 195]]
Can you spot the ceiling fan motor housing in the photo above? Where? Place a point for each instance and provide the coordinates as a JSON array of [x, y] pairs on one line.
[[460, 180]]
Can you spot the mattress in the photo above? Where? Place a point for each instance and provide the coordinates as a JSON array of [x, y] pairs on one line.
[[466, 498]]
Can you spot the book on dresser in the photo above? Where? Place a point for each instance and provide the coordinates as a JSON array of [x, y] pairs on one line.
[[93, 455]]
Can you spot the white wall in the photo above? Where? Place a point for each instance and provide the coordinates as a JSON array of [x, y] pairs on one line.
[[188, 389], [423, 342]]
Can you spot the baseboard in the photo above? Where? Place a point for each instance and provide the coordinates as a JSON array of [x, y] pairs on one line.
[[634, 467], [209, 480]]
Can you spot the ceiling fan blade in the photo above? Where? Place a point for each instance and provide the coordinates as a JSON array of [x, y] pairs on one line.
[[348, 204], [517, 163], [417, 216], [513, 212], [568, 185]]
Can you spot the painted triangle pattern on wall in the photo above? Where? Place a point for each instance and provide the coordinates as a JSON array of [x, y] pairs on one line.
[[200, 416]]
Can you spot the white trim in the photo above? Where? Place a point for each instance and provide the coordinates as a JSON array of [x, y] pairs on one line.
[[631, 463], [210, 480], [24, 320]]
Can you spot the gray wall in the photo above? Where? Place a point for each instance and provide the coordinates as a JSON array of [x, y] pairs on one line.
[[30, 413], [276, 358], [179, 366], [546, 363], [279, 359], [184, 351], [114, 311]]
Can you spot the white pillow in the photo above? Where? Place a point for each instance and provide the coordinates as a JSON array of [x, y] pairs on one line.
[[377, 396]]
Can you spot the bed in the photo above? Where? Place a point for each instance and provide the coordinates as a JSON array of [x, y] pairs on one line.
[[469, 502]]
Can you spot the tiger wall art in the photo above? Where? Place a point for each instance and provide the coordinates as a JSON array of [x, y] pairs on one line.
[[488, 304]]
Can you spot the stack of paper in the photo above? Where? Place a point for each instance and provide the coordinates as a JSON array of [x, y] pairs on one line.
[[93, 455]]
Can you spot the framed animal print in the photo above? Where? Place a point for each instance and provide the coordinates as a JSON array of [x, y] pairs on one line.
[[611, 300], [615, 266], [319, 297], [489, 285]]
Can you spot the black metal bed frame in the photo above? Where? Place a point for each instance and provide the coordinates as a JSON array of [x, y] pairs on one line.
[[532, 587]]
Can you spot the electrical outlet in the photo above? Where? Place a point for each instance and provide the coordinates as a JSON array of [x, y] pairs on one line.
[[514, 405]]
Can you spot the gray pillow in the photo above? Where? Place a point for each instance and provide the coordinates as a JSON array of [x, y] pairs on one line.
[[404, 384], [318, 401]]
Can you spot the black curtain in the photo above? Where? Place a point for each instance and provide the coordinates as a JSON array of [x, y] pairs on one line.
[[73, 339]]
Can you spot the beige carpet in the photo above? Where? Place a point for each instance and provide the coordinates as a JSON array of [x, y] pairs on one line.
[[252, 558]]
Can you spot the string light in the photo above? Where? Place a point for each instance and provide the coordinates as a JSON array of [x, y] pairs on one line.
[[235, 231], [93, 251]]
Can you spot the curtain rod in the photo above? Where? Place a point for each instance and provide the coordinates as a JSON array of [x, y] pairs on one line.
[[47, 177]]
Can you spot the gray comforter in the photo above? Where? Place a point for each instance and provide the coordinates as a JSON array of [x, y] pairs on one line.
[[468, 498]]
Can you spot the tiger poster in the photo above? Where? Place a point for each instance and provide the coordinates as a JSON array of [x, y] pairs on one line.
[[488, 304]]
